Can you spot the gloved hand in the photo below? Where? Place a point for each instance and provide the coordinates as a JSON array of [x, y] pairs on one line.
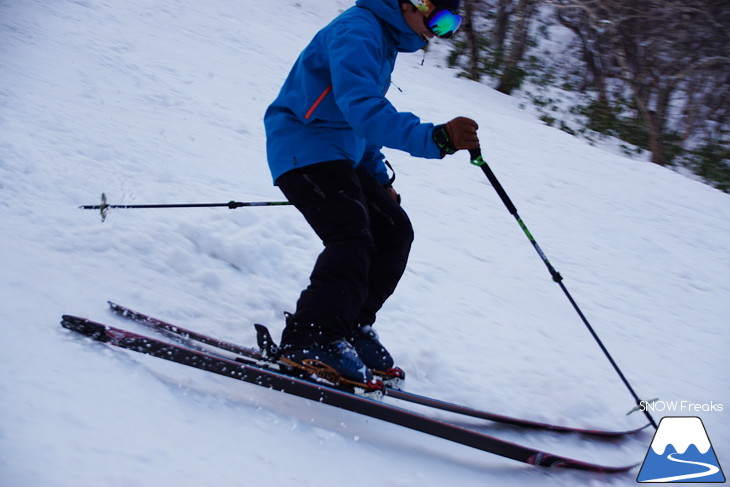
[[459, 133]]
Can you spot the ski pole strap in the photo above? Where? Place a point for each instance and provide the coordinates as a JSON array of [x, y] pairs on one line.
[[390, 181]]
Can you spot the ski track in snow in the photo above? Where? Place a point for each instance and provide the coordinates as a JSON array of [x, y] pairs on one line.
[[162, 102]]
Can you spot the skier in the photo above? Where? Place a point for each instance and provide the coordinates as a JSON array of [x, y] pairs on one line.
[[324, 134]]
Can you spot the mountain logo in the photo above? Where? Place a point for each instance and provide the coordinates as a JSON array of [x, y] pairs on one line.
[[681, 452]]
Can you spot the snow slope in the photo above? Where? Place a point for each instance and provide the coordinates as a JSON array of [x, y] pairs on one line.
[[161, 102]]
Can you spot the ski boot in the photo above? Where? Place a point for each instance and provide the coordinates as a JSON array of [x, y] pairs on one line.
[[376, 357], [335, 362]]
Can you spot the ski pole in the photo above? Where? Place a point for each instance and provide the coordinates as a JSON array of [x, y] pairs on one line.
[[104, 207], [478, 160]]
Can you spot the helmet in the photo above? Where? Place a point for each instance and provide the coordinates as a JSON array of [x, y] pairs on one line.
[[450, 4]]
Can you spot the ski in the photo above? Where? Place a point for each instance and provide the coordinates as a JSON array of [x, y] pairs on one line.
[[261, 357], [324, 394]]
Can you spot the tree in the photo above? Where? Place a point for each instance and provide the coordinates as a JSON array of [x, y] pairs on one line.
[[656, 72], [656, 47], [493, 40], [512, 74], [469, 29], [591, 41]]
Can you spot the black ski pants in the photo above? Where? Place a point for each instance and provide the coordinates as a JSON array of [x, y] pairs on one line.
[[367, 237]]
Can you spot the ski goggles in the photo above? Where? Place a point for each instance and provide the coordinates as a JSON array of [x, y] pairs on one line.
[[442, 22]]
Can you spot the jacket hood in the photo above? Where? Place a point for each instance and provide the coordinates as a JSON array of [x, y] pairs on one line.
[[388, 11]]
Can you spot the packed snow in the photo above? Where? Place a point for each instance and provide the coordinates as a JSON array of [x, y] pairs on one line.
[[162, 102]]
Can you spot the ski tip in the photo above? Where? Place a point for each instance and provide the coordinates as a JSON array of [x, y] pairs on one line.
[[119, 309], [85, 327]]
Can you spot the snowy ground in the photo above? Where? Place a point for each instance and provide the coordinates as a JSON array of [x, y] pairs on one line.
[[161, 102]]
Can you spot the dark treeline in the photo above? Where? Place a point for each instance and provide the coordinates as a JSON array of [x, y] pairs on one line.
[[655, 73]]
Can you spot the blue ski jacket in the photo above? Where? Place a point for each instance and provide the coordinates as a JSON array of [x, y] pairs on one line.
[[332, 105]]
